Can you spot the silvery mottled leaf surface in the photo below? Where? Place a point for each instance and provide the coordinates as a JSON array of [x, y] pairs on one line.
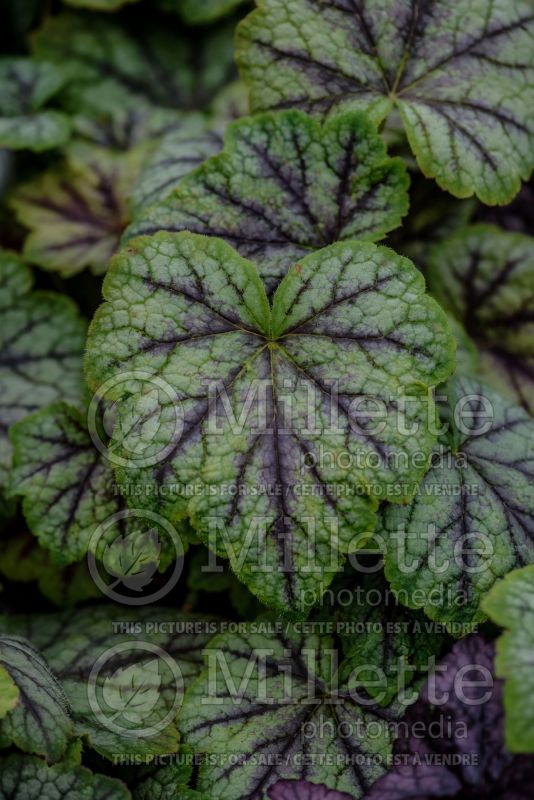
[[41, 343], [472, 519], [40, 721], [272, 699], [28, 778], [284, 186], [460, 74], [485, 277], [72, 642], [189, 311]]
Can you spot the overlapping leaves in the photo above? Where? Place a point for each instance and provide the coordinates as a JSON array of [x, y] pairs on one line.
[[110, 66], [472, 520], [272, 699], [238, 432], [41, 342], [285, 186], [460, 74], [130, 702]]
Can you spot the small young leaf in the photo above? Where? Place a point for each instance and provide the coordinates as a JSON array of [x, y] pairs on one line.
[[484, 276], [41, 342], [25, 87], [110, 66], [29, 778], [272, 700], [460, 74], [74, 642], [284, 186], [167, 783], [188, 310], [511, 605], [472, 520], [40, 721], [77, 212]]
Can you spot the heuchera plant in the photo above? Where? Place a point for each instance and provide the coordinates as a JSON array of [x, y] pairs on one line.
[[266, 400]]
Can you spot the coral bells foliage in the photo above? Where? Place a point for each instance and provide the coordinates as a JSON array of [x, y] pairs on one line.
[[266, 400]]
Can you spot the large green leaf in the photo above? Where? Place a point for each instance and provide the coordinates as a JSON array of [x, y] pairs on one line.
[[76, 212], [511, 604], [239, 429], [25, 87], [29, 778], [40, 721], [461, 75], [111, 66], [285, 186], [41, 343], [269, 705], [472, 520], [485, 277], [123, 674]]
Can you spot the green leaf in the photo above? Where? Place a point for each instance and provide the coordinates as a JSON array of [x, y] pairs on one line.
[[41, 341], [177, 154], [511, 605], [350, 328], [198, 12], [269, 696], [25, 87], [69, 491], [29, 778], [484, 276], [168, 782], [472, 520], [9, 693], [460, 74], [103, 656], [76, 212], [285, 186], [110, 66], [388, 645], [40, 721], [22, 560]]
